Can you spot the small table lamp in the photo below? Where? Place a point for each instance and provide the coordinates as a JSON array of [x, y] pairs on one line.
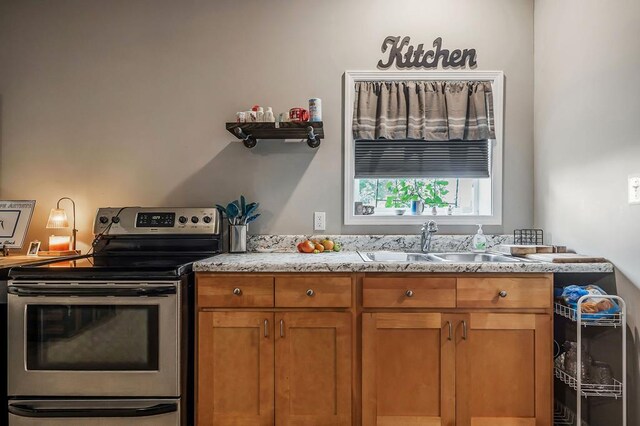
[[58, 220]]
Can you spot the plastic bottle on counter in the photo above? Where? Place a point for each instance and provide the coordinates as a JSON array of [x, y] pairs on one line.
[[479, 241]]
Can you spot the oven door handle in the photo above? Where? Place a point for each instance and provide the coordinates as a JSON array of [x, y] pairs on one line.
[[26, 410], [34, 291]]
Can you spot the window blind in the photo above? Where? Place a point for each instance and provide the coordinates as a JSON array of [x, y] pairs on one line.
[[384, 158]]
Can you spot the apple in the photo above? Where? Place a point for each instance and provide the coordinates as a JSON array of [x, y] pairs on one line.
[[307, 246]]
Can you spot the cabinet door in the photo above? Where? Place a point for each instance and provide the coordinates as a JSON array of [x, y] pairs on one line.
[[408, 369], [235, 368], [504, 370], [313, 368]]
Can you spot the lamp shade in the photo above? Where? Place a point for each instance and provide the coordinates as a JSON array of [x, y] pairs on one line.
[[58, 219]]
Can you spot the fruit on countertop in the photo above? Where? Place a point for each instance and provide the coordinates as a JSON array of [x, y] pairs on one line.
[[306, 247], [327, 244], [318, 246]]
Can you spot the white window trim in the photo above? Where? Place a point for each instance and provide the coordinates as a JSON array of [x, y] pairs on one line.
[[497, 79]]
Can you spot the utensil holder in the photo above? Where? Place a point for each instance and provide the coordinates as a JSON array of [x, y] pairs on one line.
[[237, 238]]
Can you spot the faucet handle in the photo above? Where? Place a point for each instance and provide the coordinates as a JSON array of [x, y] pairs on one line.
[[430, 226]]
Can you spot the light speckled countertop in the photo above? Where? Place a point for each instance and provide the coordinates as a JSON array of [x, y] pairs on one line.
[[350, 261]]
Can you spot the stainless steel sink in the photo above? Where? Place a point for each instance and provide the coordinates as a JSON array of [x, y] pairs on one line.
[[396, 256], [476, 257], [463, 257]]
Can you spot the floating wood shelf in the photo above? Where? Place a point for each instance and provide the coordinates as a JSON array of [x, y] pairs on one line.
[[251, 132]]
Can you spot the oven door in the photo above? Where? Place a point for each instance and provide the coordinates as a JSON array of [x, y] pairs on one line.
[[94, 339], [94, 412]]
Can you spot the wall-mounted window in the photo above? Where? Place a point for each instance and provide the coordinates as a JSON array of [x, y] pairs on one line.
[[431, 138]]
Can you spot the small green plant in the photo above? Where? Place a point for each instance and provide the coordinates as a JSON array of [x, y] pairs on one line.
[[403, 191]]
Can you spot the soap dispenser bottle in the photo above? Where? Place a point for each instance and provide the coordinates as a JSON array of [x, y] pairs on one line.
[[479, 241]]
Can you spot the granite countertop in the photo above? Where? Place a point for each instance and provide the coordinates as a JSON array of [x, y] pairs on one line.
[[350, 261]]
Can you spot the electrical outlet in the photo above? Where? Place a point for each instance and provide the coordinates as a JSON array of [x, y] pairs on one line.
[[634, 189], [319, 221]]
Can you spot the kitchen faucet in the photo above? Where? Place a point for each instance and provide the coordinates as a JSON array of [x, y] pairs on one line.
[[426, 233]]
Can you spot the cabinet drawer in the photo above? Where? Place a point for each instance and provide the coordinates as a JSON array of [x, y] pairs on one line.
[[235, 291], [391, 292], [313, 292], [504, 292]]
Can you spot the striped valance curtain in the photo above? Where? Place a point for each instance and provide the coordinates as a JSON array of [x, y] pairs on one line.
[[426, 110]]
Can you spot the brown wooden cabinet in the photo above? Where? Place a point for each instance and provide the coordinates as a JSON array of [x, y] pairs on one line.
[[475, 365], [235, 368], [374, 349], [408, 363], [313, 368], [274, 366], [503, 370]]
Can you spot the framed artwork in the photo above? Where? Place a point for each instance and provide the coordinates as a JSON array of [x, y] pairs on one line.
[[34, 248], [15, 217]]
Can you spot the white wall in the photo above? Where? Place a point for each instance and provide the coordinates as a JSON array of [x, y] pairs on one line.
[[123, 102], [587, 109]]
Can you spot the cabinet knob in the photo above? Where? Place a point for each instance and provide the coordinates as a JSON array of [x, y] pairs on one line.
[[311, 293], [408, 293], [502, 293], [237, 291]]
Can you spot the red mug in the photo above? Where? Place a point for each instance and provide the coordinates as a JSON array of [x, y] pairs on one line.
[[298, 114]]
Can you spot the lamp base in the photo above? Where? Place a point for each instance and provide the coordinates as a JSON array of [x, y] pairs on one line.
[[52, 253]]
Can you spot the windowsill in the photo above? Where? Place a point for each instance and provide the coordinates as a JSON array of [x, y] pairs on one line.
[[412, 220]]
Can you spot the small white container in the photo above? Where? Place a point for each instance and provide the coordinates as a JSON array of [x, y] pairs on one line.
[[268, 115], [315, 109], [260, 114]]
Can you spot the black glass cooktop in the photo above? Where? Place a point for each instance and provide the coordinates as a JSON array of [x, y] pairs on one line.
[[110, 267]]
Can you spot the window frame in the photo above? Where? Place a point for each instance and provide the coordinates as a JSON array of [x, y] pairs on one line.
[[497, 80]]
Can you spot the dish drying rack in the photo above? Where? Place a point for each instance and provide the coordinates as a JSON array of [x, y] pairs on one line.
[[564, 415]]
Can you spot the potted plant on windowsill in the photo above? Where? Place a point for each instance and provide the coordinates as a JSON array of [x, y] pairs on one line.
[[404, 191], [240, 215]]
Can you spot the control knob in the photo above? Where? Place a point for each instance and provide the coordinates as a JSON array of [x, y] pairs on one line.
[[195, 219], [182, 219], [115, 219], [206, 219], [103, 219]]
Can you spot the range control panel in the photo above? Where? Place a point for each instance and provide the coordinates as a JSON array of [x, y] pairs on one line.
[[156, 220]]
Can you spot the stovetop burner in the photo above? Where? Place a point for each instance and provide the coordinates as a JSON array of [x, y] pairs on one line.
[[110, 267], [136, 243]]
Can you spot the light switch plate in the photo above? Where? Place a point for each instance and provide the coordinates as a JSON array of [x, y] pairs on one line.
[[634, 189], [319, 221]]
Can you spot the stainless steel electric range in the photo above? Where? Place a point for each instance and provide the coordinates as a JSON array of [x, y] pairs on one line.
[[104, 339]]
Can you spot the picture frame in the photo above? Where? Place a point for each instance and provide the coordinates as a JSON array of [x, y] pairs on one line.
[[15, 217], [34, 248]]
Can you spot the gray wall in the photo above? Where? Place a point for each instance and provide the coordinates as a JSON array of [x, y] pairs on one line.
[[123, 102], [587, 107]]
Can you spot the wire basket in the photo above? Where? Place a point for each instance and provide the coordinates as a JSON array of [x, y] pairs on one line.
[[528, 237]]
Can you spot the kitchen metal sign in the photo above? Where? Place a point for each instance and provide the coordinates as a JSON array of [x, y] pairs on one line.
[[405, 55]]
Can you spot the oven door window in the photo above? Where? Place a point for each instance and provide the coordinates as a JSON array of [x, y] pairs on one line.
[[92, 337]]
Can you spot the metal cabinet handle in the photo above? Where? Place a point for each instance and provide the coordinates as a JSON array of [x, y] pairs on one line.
[[464, 330], [266, 328], [281, 328], [502, 293], [450, 330], [237, 291], [408, 293], [311, 293]]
